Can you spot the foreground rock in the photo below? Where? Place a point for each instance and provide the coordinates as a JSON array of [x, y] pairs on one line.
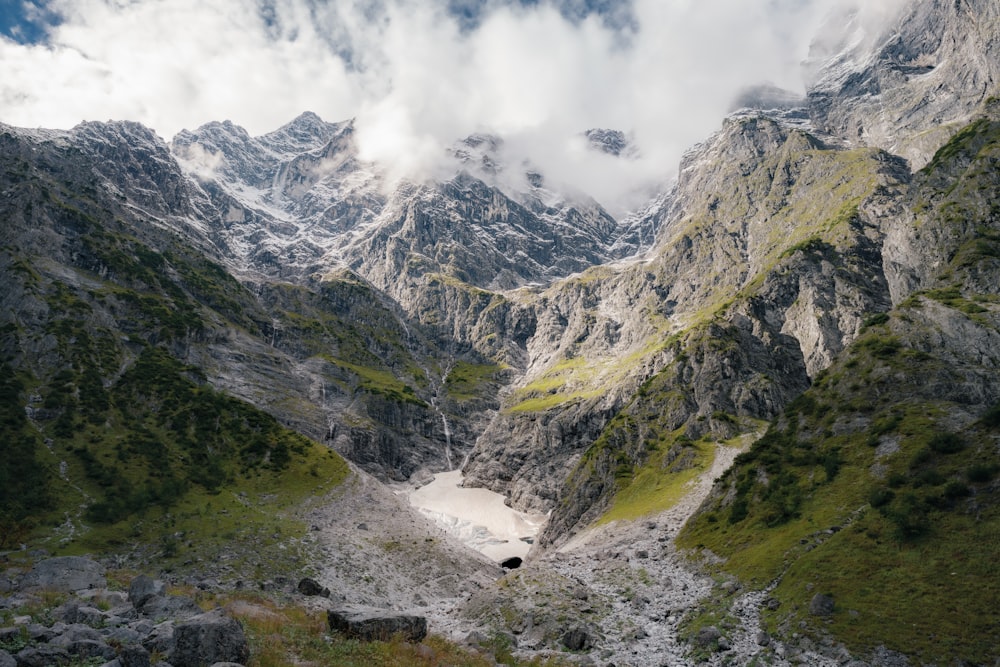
[[97, 626], [369, 624], [65, 574], [209, 638]]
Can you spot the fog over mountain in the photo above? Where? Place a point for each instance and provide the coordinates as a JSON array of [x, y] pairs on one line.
[[418, 76]]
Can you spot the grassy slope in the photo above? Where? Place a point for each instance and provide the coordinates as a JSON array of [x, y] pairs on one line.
[[879, 486]]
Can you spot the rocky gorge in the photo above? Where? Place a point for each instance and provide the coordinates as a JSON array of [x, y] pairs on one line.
[[748, 410]]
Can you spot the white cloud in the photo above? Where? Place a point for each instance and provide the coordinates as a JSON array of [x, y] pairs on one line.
[[416, 81]]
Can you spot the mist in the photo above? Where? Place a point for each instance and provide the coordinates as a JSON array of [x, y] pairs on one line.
[[419, 76]]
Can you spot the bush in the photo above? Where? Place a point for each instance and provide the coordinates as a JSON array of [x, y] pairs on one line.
[[956, 490], [880, 497], [946, 443], [980, 472]]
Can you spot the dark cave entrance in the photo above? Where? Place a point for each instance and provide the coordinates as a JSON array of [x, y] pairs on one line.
[[511, 563]]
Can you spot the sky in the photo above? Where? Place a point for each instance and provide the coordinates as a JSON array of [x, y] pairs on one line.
[[416, 75]]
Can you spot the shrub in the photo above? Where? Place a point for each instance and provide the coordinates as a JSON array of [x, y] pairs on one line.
[[946, 443], [955, 490], [980, 472], [880, 497]]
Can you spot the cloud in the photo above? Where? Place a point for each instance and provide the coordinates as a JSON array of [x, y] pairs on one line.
[[418, 75]]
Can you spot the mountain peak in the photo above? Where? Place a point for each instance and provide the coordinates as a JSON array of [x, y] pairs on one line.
[[613, 142]]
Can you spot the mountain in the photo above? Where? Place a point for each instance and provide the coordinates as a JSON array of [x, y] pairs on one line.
[[815, 299]]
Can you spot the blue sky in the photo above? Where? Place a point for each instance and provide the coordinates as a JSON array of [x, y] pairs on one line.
[[416, 75], [25, 22]]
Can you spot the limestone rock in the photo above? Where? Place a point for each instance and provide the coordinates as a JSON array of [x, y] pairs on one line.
[[43, 655], [821, 605], [209, 638], [142, 588], [369, 624], [65, 573]]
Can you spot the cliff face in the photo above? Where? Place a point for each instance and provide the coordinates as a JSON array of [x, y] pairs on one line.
[[907, 88]]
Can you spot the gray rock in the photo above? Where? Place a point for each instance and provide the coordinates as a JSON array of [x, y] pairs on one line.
[[763, 639], [208, 638], [170, 606], [134, 656], [66, 573], [44, 655], [75, 633], [122, 635], [84, 649], [577, 639], [142, 588], [6, 659], [368, 624], [312, 587], [10, 634], [707, 636], [821, 605], [160, 639]]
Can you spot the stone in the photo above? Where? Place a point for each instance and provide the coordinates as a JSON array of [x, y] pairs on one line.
[[160, 639], [43, 655], [821, 605], [85, 649], [763, 639], [134, 656], [170, 606], [8, 635], [142, 588], [368, 624], [707, 636], [208, 638], [6, 659], [312, 587], [66, 574], [577, 639], [75, 633]]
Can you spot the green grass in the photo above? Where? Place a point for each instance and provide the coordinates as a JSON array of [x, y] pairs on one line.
[[468, 381], [658, 485]]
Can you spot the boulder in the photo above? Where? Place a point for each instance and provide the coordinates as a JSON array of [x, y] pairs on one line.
[[43, 655], [821, 605], [84, 649], [169, 606], [577, 639], [312, 587], [159, 639], [66, 573], [6, 659], [209, 638], [369, 624], [707, 636], [134, 656], [142, 588]]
